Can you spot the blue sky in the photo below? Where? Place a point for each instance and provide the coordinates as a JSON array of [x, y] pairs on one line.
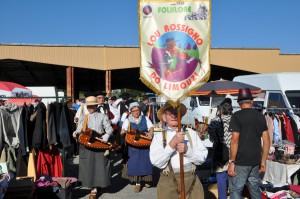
[[235, 23]]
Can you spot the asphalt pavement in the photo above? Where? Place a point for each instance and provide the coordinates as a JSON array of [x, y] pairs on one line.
[[121, 188]]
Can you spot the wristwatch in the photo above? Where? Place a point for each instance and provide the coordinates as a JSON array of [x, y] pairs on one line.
[[231, 161]]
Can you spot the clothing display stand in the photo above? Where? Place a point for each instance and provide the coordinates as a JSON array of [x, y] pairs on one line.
[[15, 184]]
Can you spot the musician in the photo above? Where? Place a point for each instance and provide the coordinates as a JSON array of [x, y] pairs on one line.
[[139, 167], [94, 165], [111, 101], [126, 100], [164, 154], [102, 107]]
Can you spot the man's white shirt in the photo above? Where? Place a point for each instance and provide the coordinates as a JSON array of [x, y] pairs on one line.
[[160, 156]]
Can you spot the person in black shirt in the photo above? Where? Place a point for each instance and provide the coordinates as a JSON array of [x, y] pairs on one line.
[[144, 105], [247, 154]]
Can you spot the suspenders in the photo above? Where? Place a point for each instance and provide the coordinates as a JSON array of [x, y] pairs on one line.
[[164, 134]]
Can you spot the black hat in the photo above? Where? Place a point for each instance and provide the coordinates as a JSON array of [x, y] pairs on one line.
[[227, 100], [244, 94], [114, 98], [87, 94], [100, 93], [145, 98], [125, 96]]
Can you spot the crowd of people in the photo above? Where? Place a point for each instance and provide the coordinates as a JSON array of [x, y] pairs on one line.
[[239, 154], [236, 160]]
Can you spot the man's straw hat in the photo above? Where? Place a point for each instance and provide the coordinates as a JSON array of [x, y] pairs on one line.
[[161, 111]]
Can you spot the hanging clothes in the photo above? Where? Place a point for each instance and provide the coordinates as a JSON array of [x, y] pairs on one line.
[[9, 124], [277, 126], [283, 134], [288, 129], [295, 130], [49, 163], [30, 126], [270, 125], [57, 114], [39, 139], [22, 131], [21, 164], [64, 133], [52, 133]]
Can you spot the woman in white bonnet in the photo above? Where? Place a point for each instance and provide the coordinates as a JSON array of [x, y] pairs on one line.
[[138, 168]]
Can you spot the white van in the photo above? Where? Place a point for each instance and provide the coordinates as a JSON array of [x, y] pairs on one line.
[[200, 108], [281, 92]]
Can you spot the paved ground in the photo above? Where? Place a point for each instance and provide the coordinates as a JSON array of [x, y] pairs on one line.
[[121, 188]]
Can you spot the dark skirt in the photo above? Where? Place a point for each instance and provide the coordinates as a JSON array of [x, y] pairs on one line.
[[94, 168]]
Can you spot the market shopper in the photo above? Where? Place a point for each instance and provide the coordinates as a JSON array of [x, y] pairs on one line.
[[164, 154], [220, 136], [247, 154], [138, 168], [94, 165]]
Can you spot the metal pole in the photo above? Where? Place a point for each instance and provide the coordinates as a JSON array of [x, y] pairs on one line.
[[182, 192], [72, 85], [69, 81]]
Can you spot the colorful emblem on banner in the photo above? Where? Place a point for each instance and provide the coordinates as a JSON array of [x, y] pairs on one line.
[[175, 44]]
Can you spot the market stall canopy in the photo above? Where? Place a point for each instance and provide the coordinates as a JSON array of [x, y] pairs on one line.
[[224, 87], [11, 89], [23, 101]]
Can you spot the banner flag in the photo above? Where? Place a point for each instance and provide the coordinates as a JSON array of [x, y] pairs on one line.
[[175, 46]]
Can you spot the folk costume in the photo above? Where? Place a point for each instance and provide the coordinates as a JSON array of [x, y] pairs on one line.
[[138, 167], [166, 158], [94, 164]]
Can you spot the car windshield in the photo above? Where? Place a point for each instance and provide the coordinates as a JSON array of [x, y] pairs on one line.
[[204, 101], [294, 98]]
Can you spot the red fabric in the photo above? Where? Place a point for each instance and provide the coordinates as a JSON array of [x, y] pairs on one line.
[[295, 188], [288, 129], [49, 163], [115, 127], [21, 101], [9, 86], [264, 196]]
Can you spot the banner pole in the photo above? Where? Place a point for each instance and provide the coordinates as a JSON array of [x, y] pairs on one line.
[[182, 192]]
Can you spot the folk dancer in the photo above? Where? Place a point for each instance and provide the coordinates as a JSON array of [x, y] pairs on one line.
[[94, 165], [164, 154], [138, 168]]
